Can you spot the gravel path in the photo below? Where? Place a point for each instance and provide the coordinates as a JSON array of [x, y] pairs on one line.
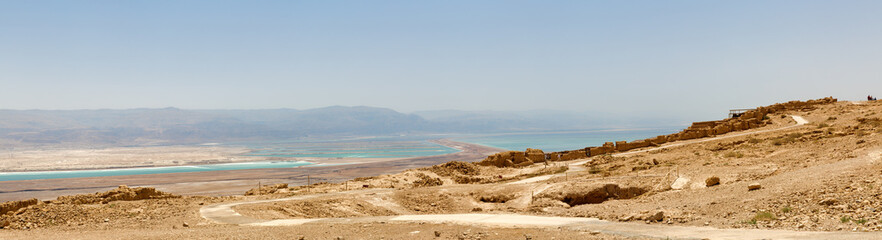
[[224, 214]]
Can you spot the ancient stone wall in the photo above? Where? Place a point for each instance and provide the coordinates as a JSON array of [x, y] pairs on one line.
[[748, 120], [122, 193], [535, 155]]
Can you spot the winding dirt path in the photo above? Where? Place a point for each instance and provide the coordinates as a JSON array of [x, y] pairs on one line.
[[224, 214], [578, 165]]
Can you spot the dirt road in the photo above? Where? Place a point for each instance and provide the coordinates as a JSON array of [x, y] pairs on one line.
[[225, 214]]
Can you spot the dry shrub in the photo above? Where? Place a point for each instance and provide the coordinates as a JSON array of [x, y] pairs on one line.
[[455, 168], [789, 138], [872, 122], [426, 181], [495, 197], [734, 154]]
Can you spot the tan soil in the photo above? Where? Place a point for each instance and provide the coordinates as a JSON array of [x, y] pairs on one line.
[[823, 176], [316, 231]]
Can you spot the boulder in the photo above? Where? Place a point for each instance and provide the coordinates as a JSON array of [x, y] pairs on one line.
[[754, 186], [712, 181], [828, 201], [680, 183], [649, 216], [654, 216]]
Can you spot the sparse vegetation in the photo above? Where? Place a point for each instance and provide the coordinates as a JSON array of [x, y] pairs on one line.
[[789, 138], [786, 209], [871, 122], [734, 154], [779, 141], [764, 216], [790, 201]]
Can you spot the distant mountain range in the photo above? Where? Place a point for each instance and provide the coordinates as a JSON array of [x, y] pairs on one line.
[[179, 126]]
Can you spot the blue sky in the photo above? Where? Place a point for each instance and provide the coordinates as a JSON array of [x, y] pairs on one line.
[[691, 58]]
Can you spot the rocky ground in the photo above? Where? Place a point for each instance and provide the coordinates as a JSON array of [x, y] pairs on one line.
[[822, 176]]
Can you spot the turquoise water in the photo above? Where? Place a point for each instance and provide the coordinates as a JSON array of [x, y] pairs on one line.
[[385, 147], [375, 147], [12, 176], [350, 149], [551, 142]]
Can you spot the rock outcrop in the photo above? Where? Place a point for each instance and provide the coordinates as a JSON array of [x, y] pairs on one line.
[[122, 193], [13, 206], [268, 189], [754, 186]]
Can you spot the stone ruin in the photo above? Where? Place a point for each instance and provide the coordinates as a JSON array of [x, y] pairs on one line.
[[121, 193], [13, 206], [748, 120]]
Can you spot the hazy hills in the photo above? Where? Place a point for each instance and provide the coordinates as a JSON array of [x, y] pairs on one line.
[[174, 126]]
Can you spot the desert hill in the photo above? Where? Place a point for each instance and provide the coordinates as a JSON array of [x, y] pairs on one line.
[[807, 172], [169, 126]]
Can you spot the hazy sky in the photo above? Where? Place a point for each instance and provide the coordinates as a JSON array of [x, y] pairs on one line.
[[610, 56]]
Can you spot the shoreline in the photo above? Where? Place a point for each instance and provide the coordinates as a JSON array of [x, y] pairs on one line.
[[235, 182], [227, 155]]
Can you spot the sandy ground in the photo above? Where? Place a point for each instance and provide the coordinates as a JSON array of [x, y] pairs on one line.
[[818, 172], [350, 230], [277, 212], [819, 179]]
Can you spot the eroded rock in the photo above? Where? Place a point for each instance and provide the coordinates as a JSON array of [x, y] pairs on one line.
[[754, 186], [712, 181], [122, 193]]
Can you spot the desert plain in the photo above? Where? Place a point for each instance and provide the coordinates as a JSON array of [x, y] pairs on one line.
[[811, 172]]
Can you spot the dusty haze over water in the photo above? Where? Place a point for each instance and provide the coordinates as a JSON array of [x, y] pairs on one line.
[[672, 58]]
